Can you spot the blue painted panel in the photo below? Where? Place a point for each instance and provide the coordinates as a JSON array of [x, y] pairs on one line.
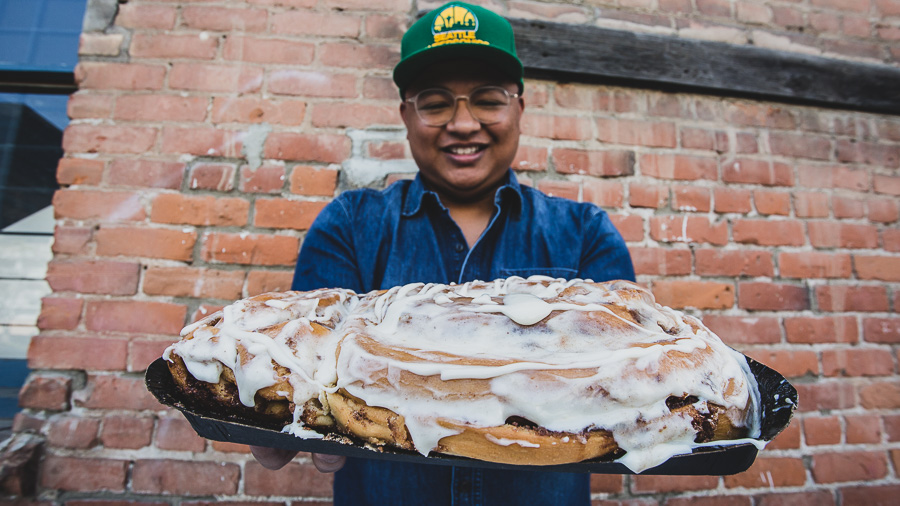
[[13, 372], [8, 407], [40, 34]]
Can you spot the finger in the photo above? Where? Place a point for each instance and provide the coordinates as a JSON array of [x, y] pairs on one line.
[[272, 458], [328, 463]]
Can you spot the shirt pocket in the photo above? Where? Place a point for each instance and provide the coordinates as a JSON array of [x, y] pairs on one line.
[[553, 272]]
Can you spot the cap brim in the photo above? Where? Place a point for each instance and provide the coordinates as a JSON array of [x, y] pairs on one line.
[[410, 68]]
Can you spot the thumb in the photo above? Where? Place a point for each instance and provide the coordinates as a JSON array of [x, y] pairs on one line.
[[328, 463]]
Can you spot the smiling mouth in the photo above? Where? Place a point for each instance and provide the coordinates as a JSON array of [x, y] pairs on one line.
[[464, 150]]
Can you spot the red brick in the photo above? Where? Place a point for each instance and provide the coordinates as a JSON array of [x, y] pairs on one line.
[[57, 352], [193, 282], [71, 240], [772, 203], [788, 439], [199, 210], [811, 205], [889, 185], [790, 363], [691, 199], [810, 498], [829, 234], [595, 163], [312, 83], [146, 242], [688, 229], [100, 277], [353, 115], [813, 176], [106, 391], [185, 477], [660, 261], [877, 330], [73, 432], [164, 45], [253, 249], [258, 110], [83, 474], [176, 433], [871, 495], [160, 17], [325, 148], [46, 392], [639, 133], [356, 55], [825, 396], [883, 210], [763, 296], [800, 146], [848, 466], [665, 484], [257, 50], [607, 483], [630, 226], [880, 395], [695, 294], [85, 138], [815, 330], [863, 429], [126, 432], [60, 313], [382, 88], [284, 213], [385, 27], [71, 171], [267, 178], [386, 5], [679, 167], [308, 180], [119, 76], [143, 352], [202, 141], [97, 205], [717, 500], [732, 200], [268, 281], [769, 232], [808, 264], [696, 138], [145, 173], [852, 298], [733, 263], [562, 189], [739, 330], [868, 153], [159, 107], [603, 193], [215, 78], [749, 171], [888, 8], [857, 362], [753, 113], [135, 316], [292, 480], [644, 195], [770, 472], [212, 176], [891, 240], [221, 19], [310, 23]]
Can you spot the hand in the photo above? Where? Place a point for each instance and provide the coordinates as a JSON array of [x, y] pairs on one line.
[[328, 463], [272, 458]]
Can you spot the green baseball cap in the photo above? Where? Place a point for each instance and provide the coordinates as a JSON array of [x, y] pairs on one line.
[[457, 30]]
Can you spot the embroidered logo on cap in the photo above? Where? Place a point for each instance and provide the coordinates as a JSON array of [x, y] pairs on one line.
[[455, 25]]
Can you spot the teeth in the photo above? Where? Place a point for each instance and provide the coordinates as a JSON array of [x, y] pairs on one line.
[[470, 150]]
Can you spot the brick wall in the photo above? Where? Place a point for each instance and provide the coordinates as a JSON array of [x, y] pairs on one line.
[[206, 136]]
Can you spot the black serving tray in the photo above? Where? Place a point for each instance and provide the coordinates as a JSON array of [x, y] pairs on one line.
[[778, 398]]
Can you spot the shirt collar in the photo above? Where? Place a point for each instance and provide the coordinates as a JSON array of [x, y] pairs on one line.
[[509, 194]]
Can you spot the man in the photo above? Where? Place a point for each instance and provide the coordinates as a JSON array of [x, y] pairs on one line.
[[464, 217]]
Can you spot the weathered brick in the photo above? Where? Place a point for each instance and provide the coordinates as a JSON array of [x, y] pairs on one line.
[[307, 23], [309, 180], [871, 495], [83, 474], [848, 466], [664, 484], [193, 282], [857, 362], [128, 432], [695, 294], [770, 472], [146, 242], [852, 298], [813, 330], [785, 232], [880, 395], [203, 210], [732, 200], [257, 110], [176, 433], [828, 176], [60, 313], [267, 178], [806, 498], [808, 264], [292, 480], [215, 78], [164, 45], [661, 261], [46, 391], [73, 432], [58, 352], [738, 330], [637, 133], [119, 76], [84, 138], [135, 316], [594, 163], [691, 199], [202, 141], [143, 352], [145, 173], [790, 363], [325, 148], [763, 296], [212, 176], [563, 189], [603, 193], [71, 240], [882, 330], [153, 16], [158, 107], [356, 55], [830, 234], [679, 167], [253, 249], [734, 263], [822, 430], [224, 19], [312, 83], [689, 229], [78, 171], [108, 391], [772, 203], [811, 205], [644, 195], [351, 115], [94, 276], [863, 429], [825, 396], [185, 477], [284, 213]]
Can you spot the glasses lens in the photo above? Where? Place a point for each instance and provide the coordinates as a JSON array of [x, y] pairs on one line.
[[489, 104], [435, 107]]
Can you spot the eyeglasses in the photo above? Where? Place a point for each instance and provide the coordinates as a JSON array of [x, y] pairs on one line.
[[488, 105]]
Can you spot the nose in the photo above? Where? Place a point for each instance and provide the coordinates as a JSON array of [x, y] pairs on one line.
[[463, 122]]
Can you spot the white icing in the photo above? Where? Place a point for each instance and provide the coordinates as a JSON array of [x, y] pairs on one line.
[[502, 441], [570, 372]]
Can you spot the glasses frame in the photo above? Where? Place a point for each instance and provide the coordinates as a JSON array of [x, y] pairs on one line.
[[456, 98]]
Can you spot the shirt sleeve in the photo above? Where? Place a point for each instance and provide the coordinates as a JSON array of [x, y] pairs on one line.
[[605, 256], [327, 257]]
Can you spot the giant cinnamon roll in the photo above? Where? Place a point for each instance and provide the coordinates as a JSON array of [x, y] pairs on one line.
[[521, 371]]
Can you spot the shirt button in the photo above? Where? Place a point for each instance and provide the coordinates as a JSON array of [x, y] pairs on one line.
[[460, 247]]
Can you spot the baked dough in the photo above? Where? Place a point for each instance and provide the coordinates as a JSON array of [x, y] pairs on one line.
[[530, 371]]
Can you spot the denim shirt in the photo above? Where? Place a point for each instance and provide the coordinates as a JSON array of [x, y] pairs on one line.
[[366, 240]]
